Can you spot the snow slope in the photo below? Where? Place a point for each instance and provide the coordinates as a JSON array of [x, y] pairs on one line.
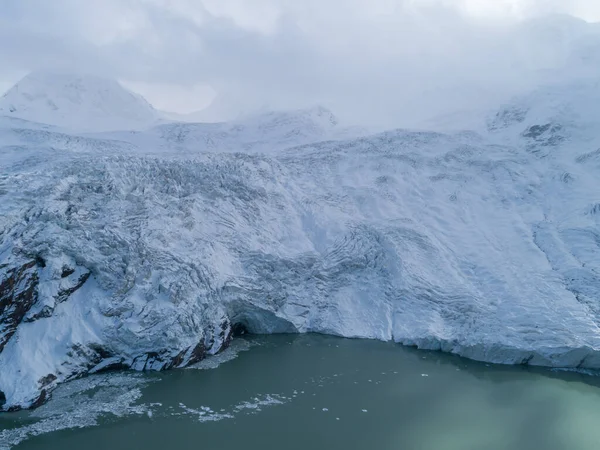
[[77, 102], [118, 250], [263, 132]]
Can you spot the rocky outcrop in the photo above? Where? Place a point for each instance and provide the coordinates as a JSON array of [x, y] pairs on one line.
[[18, 293], [50, 295]]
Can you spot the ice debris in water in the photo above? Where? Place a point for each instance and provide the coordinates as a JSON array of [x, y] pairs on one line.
[[207, 414], [202, 416], [266, 400], [80, 403]]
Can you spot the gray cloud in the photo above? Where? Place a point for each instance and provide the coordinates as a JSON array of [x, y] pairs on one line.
[[383, 61]]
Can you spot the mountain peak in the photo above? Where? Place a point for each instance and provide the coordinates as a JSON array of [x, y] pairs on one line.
[[81, 101]]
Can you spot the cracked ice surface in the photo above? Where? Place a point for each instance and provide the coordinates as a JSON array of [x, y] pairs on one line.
[[485, 245]]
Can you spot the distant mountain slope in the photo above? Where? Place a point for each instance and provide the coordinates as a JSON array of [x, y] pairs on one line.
[[259, 133], [81, 102], [550, 116], [282, 128]]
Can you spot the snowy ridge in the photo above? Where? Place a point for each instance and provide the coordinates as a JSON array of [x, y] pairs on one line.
[[77, 102], [550, 116], [259, 133], [487, 245]]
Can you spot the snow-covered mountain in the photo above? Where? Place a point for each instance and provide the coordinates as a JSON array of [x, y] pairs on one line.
[[257, 133], [551, 115], [147, 250], [77, 102]]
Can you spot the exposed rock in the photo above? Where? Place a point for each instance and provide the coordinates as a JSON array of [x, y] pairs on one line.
[[547, 135], [56, 289], [45, 381], [43, 397], [67, 271], [64, 293], [18, 293], [198, 354], [45, 312]]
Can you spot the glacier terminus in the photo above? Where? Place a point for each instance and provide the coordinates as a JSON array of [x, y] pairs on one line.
[[139, 243]]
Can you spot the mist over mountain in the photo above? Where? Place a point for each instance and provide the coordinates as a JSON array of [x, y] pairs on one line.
[[75, 101]]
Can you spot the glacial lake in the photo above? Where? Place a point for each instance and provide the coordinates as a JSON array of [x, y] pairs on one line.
[[318, 392]]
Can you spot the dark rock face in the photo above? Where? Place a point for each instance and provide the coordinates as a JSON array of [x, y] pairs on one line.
[[546, 135], [198, 354], [536, 131], [30, 289], [193, 355], [48, 379], [67, 271], [95, 358], [18, 293], [40, 400], [45, 312], [71, 280], [227, 333], [64, 294]]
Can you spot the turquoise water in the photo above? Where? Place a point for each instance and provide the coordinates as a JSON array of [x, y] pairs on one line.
[[318, 392]]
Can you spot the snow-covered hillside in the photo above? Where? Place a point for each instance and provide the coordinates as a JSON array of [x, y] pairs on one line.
[[260, 132], [131, 250], [265, 132], [77, 102]]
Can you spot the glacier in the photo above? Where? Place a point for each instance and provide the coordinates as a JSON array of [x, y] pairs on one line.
[[149, 249]]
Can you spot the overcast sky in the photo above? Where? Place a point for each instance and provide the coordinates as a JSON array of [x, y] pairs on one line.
[[378, 60]]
